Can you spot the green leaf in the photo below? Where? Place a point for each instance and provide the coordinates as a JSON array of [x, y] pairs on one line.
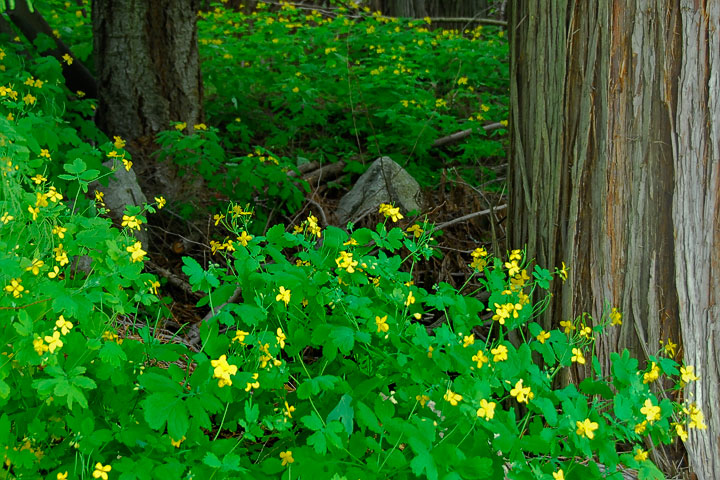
[[312, 421], [4, 389], [366, 417], [159, 383], [548, 410], [156, 409], [423, 463], [112, 354], [313, 386], [343, 412], [318, 442], [343, 338], [76, 168], [177, 420]]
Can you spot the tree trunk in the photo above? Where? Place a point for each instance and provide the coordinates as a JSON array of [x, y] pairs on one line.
[[432, 8], [149, 75], [614, 170]]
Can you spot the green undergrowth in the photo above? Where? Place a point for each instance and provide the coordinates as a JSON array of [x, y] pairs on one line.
[[322, 358], [339, 84]]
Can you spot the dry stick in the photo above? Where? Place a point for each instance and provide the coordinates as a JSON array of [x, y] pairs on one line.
[[457, 136], [469, 216], [483, 21], [328, 171]]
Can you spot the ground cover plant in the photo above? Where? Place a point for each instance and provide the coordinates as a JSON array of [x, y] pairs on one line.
[[315, 363]]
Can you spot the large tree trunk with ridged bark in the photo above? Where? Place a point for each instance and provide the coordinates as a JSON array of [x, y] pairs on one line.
[[148, 74], [615, 170]]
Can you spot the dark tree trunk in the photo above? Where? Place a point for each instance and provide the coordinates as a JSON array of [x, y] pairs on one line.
[[149, 74], [615, 170]]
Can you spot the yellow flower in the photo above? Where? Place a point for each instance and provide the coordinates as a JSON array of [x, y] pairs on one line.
[[652, 375], [101, 471], [513, 268], [54, 273], [35, 266], [137, 254], [240, 336], [542, 336], [62, 476], [54, 342], [486, 410], [118, 142], [6, 218], [563, 271], [640, 427], [586, 428], [423, 399], [131, 222], [254, 384], [410, 299], [53, 195], [200, 126], [480, 358], [578, 356], [462, 81], [128, 164], [469, 340], [615, 317], [15, 287], [345, 260], [218, 218], [286, 458], [640, 455], [180, 126], [669, 347], [223, 370], [176, 443], [687, 374], [38, 179], [40, 346], [697, 419], [99, 196], [63, 325], [33, 211], [430, 351], [280, 337], [568, 325], [521, 394], [681, 432], [390, 211], [68, 59], [289, 409], [452, 397], [154, 285], [500, 353], [283, 296], [585, 332], [416, 230], [160, 202], [381, 323], [651, 412], [559, 475], [29, 99]]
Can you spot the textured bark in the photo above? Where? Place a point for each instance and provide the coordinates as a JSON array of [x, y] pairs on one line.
[[696, 214], [614, 170], [432, 8], [149, 74]]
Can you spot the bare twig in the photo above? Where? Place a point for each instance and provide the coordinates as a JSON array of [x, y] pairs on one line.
[[469, 216], [457, 136], [330, 171]]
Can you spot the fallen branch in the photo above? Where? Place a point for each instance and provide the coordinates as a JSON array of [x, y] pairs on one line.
[[482, 21], [469, 216], [326, 172], [457, 136]]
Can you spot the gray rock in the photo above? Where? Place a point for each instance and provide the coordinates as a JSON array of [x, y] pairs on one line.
[[123, 189], [384, 182]]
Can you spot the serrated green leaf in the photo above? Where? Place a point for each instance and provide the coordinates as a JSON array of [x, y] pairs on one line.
[[177, 421], [156, 409]]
